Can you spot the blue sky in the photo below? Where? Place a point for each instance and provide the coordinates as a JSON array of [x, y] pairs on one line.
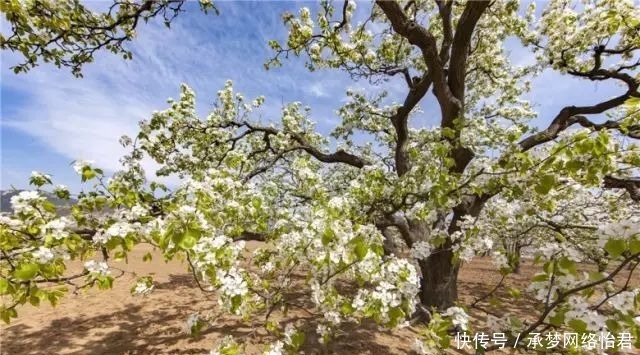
[[49, 118]]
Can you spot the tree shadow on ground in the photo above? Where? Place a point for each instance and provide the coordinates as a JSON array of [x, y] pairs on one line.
[[136, 327]]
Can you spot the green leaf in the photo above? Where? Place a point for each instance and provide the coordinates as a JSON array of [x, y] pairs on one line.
[[557, 319], [361, 248], [615, 247], [546, 183], [568, 265], [514, 292], [26, 271], [396, 314], [87, 174], [448, 132], [7, 313], [236, 301], [613, 326], [189, 239], [34, 301], [327, 236], [147, 257], [49, 207], [595, 276], [634, 246], [578, 325], [105, 282], [347, 308], [297, 340], [119, 255], [540, 277], [4, 286]]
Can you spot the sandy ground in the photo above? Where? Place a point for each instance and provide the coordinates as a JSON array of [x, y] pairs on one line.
[[114, 322]]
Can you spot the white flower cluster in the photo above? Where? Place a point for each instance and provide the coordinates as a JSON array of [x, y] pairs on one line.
[[553, 250], [39, 179], [289, 332], [397, 285], [11, 222], [36, 174], [387, 295], [472, 246], [621, 229], [276, 348], [209, 251], [56, 227], [44, 255], [327, 243], [542, 289], [324, 331], [23, 202], [420, 348], [119, 229], [500, 260], [97, 267], [232, 283], [625, 301], [421, 250], [216, 259], [549, 250], [136, 212], [142, 288], [116, 230], [458, 317], [79, 165], [580, 310], [186, 211]]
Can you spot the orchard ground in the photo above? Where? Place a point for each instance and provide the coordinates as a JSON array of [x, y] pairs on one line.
[[115, 322]]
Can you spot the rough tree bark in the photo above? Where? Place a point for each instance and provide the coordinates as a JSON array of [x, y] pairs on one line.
[[439, 287]]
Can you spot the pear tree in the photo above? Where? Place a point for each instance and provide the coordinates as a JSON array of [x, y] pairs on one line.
[[374, 221]]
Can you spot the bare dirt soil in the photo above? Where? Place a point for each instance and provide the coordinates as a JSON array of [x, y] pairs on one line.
[[114, 322]]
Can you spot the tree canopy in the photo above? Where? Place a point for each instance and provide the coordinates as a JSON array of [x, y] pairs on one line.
[[374, 221]]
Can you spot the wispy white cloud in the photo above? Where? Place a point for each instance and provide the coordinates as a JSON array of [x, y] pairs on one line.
[[83, 118], [318, 90]]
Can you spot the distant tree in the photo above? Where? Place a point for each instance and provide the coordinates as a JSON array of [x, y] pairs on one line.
[[393, 213]]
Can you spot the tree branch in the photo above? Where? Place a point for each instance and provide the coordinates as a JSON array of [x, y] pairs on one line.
[[632, 185], [567, 117], [423, 39], [339, 156], [460, 47]]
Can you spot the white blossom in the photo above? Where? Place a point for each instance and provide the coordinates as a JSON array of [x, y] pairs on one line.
[[56, 227], [421, 250], [624, 301], [79, 165], [276, 348], [142, 288], [458, 317], [44, 255], [119, 229], [39, 175], [232, 283], [22, 202], [97, 267]]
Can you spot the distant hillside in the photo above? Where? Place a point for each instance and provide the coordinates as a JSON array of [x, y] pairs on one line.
[[63, 206]]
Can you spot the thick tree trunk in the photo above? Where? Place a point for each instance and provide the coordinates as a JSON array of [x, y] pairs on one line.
[[439, 279], [439, 286], [516, 266], [517, 260]]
